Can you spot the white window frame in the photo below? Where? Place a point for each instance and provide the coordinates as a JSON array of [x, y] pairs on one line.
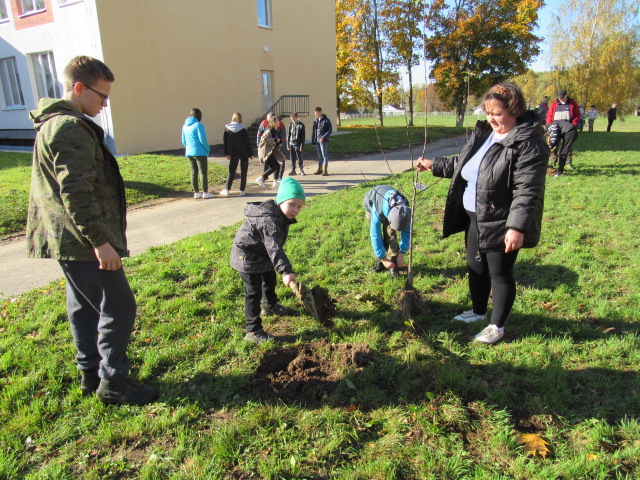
[[267, 12], [11, 94], [4, 11], [44, 73], [64, 3], [29, 7]]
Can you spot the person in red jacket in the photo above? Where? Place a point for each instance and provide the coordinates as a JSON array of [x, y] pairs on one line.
[[564, 113]]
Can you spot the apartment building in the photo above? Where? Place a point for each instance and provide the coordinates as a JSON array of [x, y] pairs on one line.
[[221, 56]]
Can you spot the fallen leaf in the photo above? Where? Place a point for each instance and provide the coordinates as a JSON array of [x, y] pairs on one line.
[[350, 384], [549, 306], [534, 444], [591, 457], [609, 330]]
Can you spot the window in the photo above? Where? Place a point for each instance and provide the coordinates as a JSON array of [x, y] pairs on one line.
[[10, 81], [3, 11], [31, 6], [44, 70], [264, 13]]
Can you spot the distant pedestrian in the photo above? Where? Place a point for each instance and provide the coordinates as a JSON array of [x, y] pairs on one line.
[[258, 255], [564, 115], [295, 143], [543, 108], [77, 216], [269, 152], [611, 116], [320, 138], [194, 138], [591, 115], [237, 149], [282, 135], [581, 121]]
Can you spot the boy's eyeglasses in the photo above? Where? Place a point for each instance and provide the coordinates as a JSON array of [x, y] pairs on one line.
[[105, 98]]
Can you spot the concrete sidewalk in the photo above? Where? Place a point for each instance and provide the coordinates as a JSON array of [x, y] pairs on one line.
[[169, 221]]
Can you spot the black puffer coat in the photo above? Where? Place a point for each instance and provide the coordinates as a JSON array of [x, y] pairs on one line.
[[257, 247], [510, 188]]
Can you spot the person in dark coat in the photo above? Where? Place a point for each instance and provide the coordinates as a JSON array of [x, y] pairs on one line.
[[320, 137], [295, 143], [611, 116], [237, 149], [258, 255], [496, 197]]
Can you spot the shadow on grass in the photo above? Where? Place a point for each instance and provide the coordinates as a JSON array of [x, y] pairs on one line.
[[608, 142], [151, 189]]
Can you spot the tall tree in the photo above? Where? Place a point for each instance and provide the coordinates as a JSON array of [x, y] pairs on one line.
[[401, 20], [596, 55], [477, 43], [364, 49]]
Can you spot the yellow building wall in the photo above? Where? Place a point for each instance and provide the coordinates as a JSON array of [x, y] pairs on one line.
[[170, 56]]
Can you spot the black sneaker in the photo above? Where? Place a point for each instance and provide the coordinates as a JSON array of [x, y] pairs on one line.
[[379, 267], [258, 337], [279, 310], [89, 382], [292, 172], [126, 391]]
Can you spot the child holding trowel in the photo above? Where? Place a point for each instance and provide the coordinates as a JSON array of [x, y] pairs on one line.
[[258, 255]]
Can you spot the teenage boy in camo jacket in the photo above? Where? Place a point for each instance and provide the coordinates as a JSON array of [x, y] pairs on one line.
[[77, 215]]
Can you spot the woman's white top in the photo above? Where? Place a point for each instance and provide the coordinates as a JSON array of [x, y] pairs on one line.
[[472, 168]]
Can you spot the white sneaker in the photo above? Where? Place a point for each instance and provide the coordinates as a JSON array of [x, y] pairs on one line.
[[468, 317], [260, 181], [275, 183], [242, 193], [197, 195], [224, 192], [489, 335], [302, 172], [207, 195]]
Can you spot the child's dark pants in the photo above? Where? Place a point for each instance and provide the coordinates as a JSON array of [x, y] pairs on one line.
[[257, 285]]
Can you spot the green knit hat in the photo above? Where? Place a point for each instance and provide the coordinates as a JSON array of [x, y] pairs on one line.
[[290, 188]]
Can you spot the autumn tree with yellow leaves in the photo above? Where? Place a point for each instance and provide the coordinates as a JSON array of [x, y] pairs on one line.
[[595, 51], [476, 43], [364, 67]]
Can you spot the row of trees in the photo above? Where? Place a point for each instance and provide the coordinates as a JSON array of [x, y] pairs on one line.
[[470, 43], [473, 44]]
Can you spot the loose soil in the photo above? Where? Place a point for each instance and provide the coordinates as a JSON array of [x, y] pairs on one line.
[[310, 373]]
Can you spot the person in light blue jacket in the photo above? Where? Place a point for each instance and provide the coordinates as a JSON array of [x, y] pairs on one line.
[[389, 212], [194, 138]]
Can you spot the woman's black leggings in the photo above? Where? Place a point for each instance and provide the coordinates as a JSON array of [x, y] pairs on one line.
[[490, 273]]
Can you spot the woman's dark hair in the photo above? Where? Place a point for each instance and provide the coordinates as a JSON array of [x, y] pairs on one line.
[[195, 112], [509, 95]]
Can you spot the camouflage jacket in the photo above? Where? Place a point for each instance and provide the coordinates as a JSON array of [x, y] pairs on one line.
[[77, 200], [257, 247]]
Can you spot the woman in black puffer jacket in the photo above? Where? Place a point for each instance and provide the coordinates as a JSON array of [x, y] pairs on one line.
[[496, 197]]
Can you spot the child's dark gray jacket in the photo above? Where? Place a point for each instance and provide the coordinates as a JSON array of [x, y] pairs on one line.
[[257, 247]]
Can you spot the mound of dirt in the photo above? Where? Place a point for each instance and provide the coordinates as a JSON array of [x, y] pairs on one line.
[[307, 374]]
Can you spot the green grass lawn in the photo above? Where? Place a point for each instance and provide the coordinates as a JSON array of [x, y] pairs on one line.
[[146, 177], [414, 400]]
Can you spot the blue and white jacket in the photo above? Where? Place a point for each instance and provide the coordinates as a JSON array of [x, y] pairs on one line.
[[376, 202]]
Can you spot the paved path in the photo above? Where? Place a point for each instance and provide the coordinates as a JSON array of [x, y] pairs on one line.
[[169, 221]]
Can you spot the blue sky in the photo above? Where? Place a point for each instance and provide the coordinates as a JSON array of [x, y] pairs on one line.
[[539, 65]]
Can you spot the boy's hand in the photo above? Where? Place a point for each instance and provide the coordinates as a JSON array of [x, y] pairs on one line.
[[388, 264], [108, 257], [228, 157], [288, 278], [400, 263]]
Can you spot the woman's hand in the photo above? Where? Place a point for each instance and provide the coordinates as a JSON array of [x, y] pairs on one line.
[[513, 240], [228, 157], [424, 164]]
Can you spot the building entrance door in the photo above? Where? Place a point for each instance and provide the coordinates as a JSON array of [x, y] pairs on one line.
[[267, 90]]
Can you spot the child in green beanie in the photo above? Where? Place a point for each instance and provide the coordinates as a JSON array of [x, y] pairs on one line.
[[258, 255]]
